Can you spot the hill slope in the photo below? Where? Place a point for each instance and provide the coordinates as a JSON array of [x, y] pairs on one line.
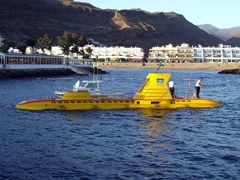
[[21, 20], [223, 34], [234, 41]]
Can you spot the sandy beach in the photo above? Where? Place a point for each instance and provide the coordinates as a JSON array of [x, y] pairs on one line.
[[202, 66]]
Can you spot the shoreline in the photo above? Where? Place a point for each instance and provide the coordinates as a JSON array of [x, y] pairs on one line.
[[197, 66]]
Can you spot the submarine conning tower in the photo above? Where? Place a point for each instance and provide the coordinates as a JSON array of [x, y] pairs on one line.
[[155, 87]]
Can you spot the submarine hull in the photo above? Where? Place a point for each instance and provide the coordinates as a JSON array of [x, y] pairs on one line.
[[88, 104]]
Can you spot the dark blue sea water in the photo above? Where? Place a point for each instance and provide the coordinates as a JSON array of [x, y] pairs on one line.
[[121, 144]]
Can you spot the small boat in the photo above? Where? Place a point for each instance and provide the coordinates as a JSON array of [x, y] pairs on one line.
[[154, 94]]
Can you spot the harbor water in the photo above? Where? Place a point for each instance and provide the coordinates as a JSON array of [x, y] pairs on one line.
[[121, 144]]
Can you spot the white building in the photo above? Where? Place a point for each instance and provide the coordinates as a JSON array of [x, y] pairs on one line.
[[220, 54], [170, 53], [102, 53], [57, 51], [199, 54], [117, 53]]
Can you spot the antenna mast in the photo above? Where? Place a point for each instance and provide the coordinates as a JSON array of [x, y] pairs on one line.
[[159, 66]]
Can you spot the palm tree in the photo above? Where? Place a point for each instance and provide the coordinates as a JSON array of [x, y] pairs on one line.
[[89, 52], [75, 49], [81, 42]]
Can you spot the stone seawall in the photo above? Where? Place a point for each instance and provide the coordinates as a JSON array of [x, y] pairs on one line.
[[22, 73]]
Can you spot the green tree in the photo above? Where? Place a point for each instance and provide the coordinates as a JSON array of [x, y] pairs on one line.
[[44, 42], [82, 41], [6, 45], [67, 40]]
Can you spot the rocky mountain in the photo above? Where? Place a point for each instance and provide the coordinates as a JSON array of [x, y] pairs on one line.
[[223, 34], [29, 19]]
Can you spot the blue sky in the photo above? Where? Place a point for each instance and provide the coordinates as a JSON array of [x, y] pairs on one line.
[[220, 13]]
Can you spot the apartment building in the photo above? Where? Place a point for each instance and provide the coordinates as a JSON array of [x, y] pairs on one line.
[[220, 54], [170, 53], [199, 54]]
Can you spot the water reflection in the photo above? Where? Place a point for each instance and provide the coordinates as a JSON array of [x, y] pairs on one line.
[[154, 126], [154, 122], [153, 114]]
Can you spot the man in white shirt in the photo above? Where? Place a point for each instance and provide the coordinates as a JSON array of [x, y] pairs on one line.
[[171, 88], [198, 87]]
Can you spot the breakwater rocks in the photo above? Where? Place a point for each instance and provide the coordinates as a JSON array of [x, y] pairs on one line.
[[22, 73], [230, 71]]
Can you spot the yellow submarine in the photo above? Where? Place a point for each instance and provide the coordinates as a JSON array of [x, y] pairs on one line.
[[154, 94]]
